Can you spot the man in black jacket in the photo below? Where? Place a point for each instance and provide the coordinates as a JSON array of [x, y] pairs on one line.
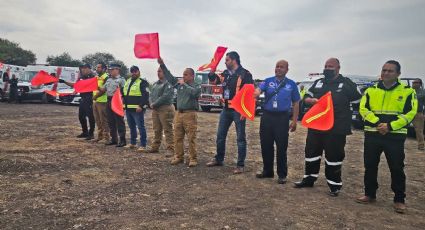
[[343, 91], [232, 80]]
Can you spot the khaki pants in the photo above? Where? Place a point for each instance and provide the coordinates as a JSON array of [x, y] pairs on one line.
[[418, 123], [101, 118], [162, 120], [185, 123]]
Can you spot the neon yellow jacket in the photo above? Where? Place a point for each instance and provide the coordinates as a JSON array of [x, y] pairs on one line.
[[100, 82], [395, 106]]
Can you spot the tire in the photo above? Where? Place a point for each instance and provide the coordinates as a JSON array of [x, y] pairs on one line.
[[44, 99], [206, 108]]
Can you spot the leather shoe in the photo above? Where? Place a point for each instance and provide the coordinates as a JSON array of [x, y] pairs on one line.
[[83, 135], [213, 163], [262, 175], [111, 143], [365, 200], [303, 184], [334, 193]]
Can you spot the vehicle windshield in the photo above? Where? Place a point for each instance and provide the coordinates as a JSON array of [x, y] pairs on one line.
[[28, 75], [201, 78]]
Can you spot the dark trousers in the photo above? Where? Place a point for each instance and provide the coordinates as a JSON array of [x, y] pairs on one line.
[[374, 145], [333, 145], [85, 111], [116, 124], [274, 128], [13, 95], [227, 117]]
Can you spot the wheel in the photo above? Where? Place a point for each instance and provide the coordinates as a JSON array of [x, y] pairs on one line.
[[206, 108]]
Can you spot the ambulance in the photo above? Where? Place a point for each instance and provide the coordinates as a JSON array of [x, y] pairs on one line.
[[6, 72]]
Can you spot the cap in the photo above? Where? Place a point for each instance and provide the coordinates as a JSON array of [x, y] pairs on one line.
[[114, 66], [85, 65], [134, 69]]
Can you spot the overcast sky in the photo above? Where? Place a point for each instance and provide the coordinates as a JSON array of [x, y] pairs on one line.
[[362, 34]]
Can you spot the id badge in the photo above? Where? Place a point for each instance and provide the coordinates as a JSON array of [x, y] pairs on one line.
[[227, 94], [274, 104]]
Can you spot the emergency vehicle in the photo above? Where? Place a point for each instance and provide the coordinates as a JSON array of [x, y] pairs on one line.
[[6, 72], [211, 95]]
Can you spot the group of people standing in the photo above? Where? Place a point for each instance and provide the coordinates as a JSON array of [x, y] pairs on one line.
[[387, 109]]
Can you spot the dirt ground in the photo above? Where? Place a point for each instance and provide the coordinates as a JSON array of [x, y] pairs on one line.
[[51, 180]]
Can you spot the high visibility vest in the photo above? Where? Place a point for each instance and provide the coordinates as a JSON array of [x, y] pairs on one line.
[[100, 82], [397, 107], [132, 100], [302, 93]]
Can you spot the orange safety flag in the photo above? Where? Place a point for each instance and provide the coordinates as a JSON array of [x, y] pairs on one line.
[[219, 53], [321, 115], [43, 77], [52, 93], [244, 102], [116, 103], [146, 45], [86, 85]]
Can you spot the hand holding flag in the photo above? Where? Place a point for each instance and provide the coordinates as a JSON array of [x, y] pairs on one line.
[[43, 77], [244, 102], [146, 45], [116, 103]]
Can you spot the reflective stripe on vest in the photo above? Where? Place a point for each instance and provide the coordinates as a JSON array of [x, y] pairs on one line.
[[100, 82], [132, 100]]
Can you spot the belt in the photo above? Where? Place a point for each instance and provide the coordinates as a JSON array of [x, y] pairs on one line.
[[276, 112], [186, 111]]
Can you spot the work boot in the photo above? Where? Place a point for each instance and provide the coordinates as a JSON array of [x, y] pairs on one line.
[[334, 192], [281, 180], [238, 170], [193, 163], [176, 161], [365, 200], [399, 207], [262, 175], [90, 137], [130, 146], [141, 149], [121, 144], [152, 150], [303, 184], [83, 135]]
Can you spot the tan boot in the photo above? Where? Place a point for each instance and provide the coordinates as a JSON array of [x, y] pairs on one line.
[[152, 150], [141, 149], [130, 146], [176, 161], [193, 163]]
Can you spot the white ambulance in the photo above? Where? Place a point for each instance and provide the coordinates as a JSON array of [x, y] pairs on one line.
[[6, 72]]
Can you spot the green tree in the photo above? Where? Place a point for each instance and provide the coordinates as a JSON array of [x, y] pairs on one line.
[[12, 53], [63, 60], [94, 59]]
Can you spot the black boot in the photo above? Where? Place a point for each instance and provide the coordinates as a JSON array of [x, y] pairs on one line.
[[122, 143], [303, 184], [83, 135]]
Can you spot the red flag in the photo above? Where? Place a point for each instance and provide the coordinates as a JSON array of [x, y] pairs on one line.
[[219, 53], [43, 77], [116, 103], [87, 85], [1, 65], [244, 102], [53, 93], [321, 115], [146, 45]]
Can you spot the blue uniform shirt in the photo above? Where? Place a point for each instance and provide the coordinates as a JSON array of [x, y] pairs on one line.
[[284, 98]]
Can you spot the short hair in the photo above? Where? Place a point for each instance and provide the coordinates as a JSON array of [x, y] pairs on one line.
[[234, 56], [396, 63], [191, 71], [103, 64]]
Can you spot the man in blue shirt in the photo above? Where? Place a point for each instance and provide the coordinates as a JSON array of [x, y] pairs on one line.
[[281, 94]]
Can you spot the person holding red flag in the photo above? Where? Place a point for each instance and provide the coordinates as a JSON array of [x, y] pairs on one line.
[[332, 141], [85, 109], [116, 122], [281, 93], [232, 80]]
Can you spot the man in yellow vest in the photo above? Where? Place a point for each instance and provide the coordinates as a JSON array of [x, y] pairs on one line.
[[99, 105], [387, 109], [136, 100]]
